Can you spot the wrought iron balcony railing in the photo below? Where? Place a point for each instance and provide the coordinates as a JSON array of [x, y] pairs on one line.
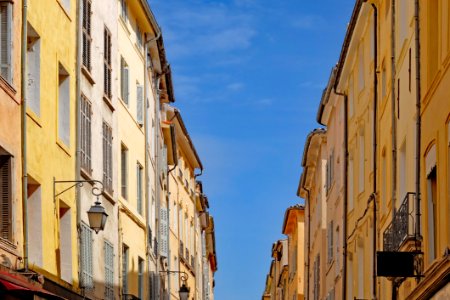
[[402, 227]]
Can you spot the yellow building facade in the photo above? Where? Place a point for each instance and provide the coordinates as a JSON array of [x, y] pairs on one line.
[[386, 103], [51, 61], [294, 228]]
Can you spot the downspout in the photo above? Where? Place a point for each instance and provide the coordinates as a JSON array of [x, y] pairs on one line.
[[394, 135], [23, 111], [375, 116], [393, 118], [308, 243], [175, 158], [344, 217], [157, 184], [77, 130], [418, 236], [147, 181]]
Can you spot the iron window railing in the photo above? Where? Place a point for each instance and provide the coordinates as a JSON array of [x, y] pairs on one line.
[[402, 227]]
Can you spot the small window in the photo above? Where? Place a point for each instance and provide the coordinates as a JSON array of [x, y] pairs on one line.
[[124, 80], [107, 157], [139, 36], [139, 183], [361, 66], [6, 196], [124, 171], [87, 279], [141, 268], [124, 10], [87, 38], [109, 270], [140, 104], [107, 66], [64, 106], [85, 134], [362, 160], [6, 41], [125, 258], [33, 70]]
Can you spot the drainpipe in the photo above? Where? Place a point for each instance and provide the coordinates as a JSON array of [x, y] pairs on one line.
[[308, 243], [344, 217], [375, 116], [394, 134], [418, 236], [23, 111], [393, 118], [77, 130], [147, 180]]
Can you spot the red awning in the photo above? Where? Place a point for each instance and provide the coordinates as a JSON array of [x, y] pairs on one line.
[[15, 285]]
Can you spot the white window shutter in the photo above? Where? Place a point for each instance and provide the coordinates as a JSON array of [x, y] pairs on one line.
[[163, 232], [87, 279], [140, 104]]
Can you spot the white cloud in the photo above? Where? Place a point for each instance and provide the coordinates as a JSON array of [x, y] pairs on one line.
[[236, 86], [307, 22]]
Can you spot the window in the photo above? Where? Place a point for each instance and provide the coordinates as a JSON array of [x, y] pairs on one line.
[[85, 134], [33, 70], [6, 196], [65, 243], [6, 41], [350, 278], [123, 170], [351, 97], [64, 106], [141, 278], [361, 270], [87, 279], [139, 36], [140, 104], [351, 181], [65, 4], [109, 270], [383, 181], [34, 205], [403, 20], [433, 39], [139, 182], [107, 66], [124, 10], [316, 287], [361, 66], [87, 38], [330, 233], [337, 267], [125, 258], [163, 231], [403, 171], [383, 80], [107, 157], [329, 171], [361, 162], [124, 80], [432, 180]]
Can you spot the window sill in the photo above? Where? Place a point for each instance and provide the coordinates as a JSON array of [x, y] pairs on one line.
[[85, 174], [63, 147], [8, 246], [35, 118], [88, 75], [108, 102], [8, 88], [109, 196]]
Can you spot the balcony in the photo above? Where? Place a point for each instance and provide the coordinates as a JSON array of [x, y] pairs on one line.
[[402, 227]]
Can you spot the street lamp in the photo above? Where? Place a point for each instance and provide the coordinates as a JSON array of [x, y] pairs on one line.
[[96, 214], [184, 290]]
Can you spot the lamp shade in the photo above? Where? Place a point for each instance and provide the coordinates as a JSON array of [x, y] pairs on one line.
[[184, 292], [97, 217]]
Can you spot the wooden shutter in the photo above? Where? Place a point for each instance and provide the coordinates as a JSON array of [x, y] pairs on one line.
[[125, 269], [85, 132], [140, 104], [139, 187], [107, 63], [163, 232], [5, 197], [5, 40]]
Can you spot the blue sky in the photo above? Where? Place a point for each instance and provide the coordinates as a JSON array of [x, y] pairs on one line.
[[248, 76]]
